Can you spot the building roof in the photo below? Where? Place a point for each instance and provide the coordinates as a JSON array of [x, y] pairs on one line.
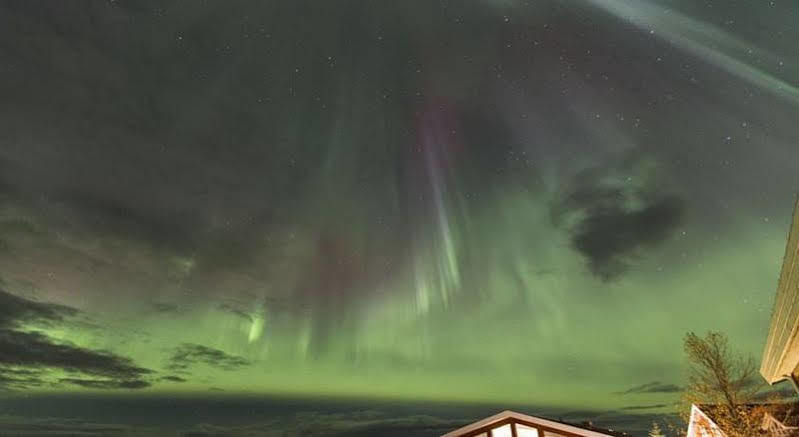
[[482, 427], [781, 354]]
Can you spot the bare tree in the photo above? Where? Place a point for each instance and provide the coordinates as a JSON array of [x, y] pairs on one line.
[[655, 431], [727, 380]]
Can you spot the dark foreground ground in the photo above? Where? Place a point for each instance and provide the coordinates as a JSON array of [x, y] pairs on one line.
[[232, 415]]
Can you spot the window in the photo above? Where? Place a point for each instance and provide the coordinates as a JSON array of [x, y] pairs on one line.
[[502, 431], [525, 431]]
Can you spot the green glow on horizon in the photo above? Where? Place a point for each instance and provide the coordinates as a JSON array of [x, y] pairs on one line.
[[496, 349]]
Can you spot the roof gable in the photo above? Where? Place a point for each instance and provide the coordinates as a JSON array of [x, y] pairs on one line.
[[513, 418], [700, 420]]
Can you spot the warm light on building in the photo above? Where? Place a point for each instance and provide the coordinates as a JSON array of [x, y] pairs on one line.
[[781, 354]]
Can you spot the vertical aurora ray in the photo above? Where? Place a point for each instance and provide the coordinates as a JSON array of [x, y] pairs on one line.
[[437, 264], [256, 328]]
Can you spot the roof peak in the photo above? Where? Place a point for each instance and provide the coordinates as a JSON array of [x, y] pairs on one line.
[[508, 416]]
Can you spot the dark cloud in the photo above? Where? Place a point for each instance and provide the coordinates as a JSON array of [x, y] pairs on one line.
[[172, 378], [106, 384], [189, 354], [22, 372], [646, 407], [15, 311], [35, 349], [609, 222], [20, 378], [652, 387], [164, 308], [23, 353], [235, 311]]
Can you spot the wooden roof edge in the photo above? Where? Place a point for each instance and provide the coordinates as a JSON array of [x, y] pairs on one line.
[[514, 416]]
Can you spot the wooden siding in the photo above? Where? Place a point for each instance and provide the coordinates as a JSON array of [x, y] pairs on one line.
[[781, 354]]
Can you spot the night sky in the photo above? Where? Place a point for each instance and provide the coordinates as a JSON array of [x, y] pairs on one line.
[[367, 217]]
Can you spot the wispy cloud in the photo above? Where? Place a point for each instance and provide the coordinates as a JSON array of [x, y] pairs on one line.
[[652, 387], [106, 384], [646, 407], [235, 311], [172, 378], [164, 308], [189, 354]]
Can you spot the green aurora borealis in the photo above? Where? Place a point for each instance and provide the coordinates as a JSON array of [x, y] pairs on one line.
[[498, 202]]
